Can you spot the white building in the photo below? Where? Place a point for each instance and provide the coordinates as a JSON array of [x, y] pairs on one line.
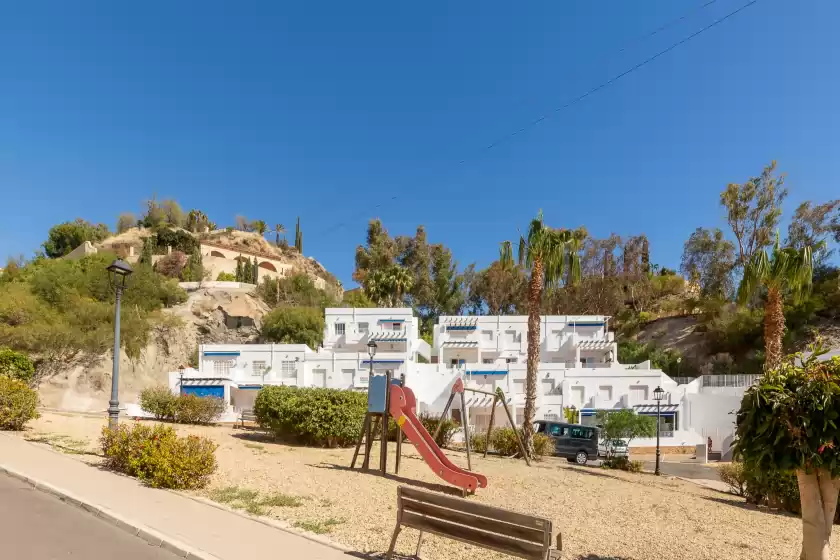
[[578, 368]]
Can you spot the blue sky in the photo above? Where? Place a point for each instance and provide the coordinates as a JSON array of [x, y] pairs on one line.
[[342, 111]]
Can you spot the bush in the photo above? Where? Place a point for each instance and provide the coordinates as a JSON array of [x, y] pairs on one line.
[[622, 464], [18, 404], [478, 443], [503, 441], [312, 416], [16, 365], [444, 438], [159, 402], [543, 446], [163, 404], [226, 277], [172, 264], [733, 475], [158, 457]]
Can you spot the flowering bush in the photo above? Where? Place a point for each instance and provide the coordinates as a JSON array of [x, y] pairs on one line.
[[18, 404], [158, 457]]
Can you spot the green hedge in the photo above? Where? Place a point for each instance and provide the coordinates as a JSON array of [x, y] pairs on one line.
[[158, 457], [163, 404], [18, 404], [311, 416], [503, 441]]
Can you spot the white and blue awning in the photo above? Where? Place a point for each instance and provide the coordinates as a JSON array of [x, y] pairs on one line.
[[650, 409], [462, 324], [460, 344], [387, 337], [594, 345], [390, 321], [383, 362], [223, 354], [484, 401], [488, 372]]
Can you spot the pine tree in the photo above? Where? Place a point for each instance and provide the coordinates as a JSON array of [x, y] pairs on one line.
[[240, 276]]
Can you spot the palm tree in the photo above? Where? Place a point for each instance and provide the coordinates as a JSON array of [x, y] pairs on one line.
[[279, 229], [551, 256], [387, 287], [259, 226], [785, 271]]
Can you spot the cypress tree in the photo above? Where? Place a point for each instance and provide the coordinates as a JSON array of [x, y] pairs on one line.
[[240, 277], [298, 237], [255, 272]]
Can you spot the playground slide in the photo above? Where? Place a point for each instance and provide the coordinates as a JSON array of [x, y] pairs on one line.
[[402, 408]]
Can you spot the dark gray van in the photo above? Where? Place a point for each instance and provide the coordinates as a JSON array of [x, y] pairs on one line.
[[575, 442]]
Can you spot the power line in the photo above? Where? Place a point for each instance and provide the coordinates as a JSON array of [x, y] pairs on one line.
[[607, 83], [617, 77]]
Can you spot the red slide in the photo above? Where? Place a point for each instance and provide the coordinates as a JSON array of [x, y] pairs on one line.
[[402, 408]]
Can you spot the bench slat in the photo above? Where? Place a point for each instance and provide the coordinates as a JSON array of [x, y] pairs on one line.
[[505, 545], [474, 508], [536, 536]]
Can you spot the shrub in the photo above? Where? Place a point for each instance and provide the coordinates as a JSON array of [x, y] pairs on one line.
[[190, 409], [16, 365], [163, 404], [447, 430], [226, 277], [312, 416], [158, 457], [503, 441], [172, 264], [733, 475], [543, 446], [478, 442], [622, 464], [158, 401], [18, 404]]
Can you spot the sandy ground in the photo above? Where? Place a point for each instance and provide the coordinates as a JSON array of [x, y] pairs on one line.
[[603, 515]]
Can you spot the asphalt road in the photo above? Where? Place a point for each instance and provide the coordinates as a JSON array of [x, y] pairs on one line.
[[37, 526]]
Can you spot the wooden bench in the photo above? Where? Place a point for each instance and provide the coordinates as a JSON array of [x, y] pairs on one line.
[[247, 415], [515, 534]]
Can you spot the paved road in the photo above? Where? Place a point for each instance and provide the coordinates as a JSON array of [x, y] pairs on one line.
[[694, 471], [37, 526]]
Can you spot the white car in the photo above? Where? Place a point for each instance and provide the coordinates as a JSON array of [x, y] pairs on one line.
[[615, 448]]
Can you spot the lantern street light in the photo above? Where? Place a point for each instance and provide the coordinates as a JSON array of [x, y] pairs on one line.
[[181, 379], [119, 271], [371, 345], [658, 395]]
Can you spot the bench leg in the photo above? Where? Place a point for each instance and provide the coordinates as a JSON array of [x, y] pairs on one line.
[[390, 552], [419, 542]]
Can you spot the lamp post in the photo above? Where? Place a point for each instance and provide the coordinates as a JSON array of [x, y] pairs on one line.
[[181, 379], [658, 395], [679, 361], [371, 352], [574, 412], [119, 271]]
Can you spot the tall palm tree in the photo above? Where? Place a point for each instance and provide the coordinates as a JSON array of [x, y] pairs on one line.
[[259, 226], [279, 229], [551, 256], [786, 271], [387, 287]]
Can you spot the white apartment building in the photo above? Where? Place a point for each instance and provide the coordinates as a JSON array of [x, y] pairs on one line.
[[578, 368]]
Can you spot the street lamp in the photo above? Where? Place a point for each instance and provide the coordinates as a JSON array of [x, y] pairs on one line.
[[181, 379], [119, 271], [679, 361], [371, 352], [658, 395], [574, 412]]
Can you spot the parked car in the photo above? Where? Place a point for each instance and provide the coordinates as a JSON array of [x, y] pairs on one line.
[[574, 442], [615, 448]]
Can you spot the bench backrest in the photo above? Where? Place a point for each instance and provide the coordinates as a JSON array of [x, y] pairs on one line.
[[509, 532]]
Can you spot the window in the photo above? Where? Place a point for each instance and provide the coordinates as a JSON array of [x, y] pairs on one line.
[[582, 433], [605, 392], [510, 360], [638, 394], [222, 367], [487, 360], [487, 336], [554, 430], [548, 386], [396, 326], [363, 327], [319, 377], [288, 369], [259, 367], [339, 329], [347, 377]]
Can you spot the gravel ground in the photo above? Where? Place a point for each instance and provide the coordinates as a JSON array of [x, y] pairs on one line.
[[603, 515]]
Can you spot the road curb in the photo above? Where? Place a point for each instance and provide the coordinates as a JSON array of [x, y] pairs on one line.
[[152, 537]]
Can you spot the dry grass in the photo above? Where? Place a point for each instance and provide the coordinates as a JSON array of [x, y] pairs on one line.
[[602, 514]]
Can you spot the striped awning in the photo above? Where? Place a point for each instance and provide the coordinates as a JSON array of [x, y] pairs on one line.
[[387, 337], [462, 322], [594, 345], [460, 344], [483, 401], [651, 408]]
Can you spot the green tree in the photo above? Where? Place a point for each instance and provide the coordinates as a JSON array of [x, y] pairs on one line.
[[498, 290], [356, 298], [240, 272], [259, 226], [147, 252], [387, 287], [197, 222], [125, 222], [255, 268], [708, 260], [65, 237], [194, 271], [16, 365], [298, 237], [753, 210], [552, 257], [814, 226], [226, 277], [279, 229], [155, 216], [624, 424], [788, 421], [294, 325], [786, 271]]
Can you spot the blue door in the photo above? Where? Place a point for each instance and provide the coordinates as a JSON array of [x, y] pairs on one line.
[[217, 391]]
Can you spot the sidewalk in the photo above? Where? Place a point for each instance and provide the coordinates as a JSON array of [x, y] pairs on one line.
[[182, 524]]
